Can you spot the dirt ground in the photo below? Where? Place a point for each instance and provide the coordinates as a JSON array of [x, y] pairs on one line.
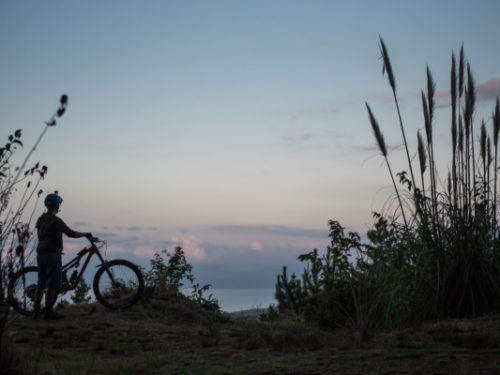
[[158, 338]]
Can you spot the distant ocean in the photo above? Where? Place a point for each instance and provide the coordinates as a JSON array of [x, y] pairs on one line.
[[236, 299], [230, 299]]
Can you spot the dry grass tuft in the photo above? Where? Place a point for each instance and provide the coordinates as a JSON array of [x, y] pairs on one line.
[[476, 340], [209, 336]]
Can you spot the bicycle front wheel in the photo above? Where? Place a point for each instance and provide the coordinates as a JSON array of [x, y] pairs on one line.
[[22, 290], [118, 284]]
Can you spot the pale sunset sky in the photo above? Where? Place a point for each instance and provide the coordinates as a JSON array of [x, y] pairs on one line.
[[235, 129]]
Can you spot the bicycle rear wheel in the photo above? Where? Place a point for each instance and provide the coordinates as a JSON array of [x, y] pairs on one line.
[[118, 284], [22, 290]]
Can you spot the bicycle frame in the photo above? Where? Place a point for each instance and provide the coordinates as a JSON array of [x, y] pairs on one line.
[[75, 262], [122, 286]]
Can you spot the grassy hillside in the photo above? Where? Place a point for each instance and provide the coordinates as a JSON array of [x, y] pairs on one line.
[[175, 337]]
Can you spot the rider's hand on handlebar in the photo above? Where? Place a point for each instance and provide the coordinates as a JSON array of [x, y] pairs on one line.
[[90, 237]]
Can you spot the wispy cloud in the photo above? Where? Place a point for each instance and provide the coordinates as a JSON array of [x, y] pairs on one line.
[[81, 224], [328, 111], [136, 228], [257, 230], [132, 228], [375, 148], [302, 137], [320, 111], [311, 142]]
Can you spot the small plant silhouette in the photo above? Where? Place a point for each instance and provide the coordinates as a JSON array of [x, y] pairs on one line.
[[19, 188], [81, 293]]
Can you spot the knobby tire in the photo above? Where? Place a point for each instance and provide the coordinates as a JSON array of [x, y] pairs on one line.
[[22, 297], [124, 293]]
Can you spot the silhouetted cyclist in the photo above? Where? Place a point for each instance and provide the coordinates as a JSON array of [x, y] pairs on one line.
[[50, 229]]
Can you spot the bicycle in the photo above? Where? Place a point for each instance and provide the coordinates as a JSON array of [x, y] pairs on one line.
[[117, 284]]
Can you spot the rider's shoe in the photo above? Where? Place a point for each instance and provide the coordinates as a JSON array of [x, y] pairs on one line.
[[37, 312], [52, 315]]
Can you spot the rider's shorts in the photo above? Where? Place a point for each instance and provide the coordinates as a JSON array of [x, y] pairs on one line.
[[49, 270]]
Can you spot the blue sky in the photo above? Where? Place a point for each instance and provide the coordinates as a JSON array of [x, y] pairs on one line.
[[234, 128]]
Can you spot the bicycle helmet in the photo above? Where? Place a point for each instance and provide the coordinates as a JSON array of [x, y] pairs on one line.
[[53, 201]]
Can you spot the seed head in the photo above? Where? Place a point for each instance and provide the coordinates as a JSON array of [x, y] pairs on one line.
[[376, 131], [387, 67]]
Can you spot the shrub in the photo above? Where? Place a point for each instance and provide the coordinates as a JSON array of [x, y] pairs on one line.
[[168, 274], [270, 315], [324, 292]]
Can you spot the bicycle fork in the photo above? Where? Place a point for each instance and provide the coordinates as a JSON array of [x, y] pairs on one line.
[[105, 265]]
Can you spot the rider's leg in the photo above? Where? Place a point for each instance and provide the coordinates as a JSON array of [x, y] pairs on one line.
[[54, 284], [42, 283], [50, 298], [38, 300], [39, 295]]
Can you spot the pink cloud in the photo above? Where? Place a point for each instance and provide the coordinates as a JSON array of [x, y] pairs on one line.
[[489, 89], [485, 91], [256, 245], [191, 246], [442, 95]]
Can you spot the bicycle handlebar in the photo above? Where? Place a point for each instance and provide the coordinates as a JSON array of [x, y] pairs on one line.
[[94, 240]]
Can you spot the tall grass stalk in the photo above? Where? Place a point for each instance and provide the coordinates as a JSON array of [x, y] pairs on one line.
[[422, 157], [496, 130], [471, 97], [490, 160], [383, 149], [460, 168], [454, 131], [387, 67]]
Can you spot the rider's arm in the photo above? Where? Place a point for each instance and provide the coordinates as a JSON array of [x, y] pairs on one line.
[[71, 233], [79, 234]]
